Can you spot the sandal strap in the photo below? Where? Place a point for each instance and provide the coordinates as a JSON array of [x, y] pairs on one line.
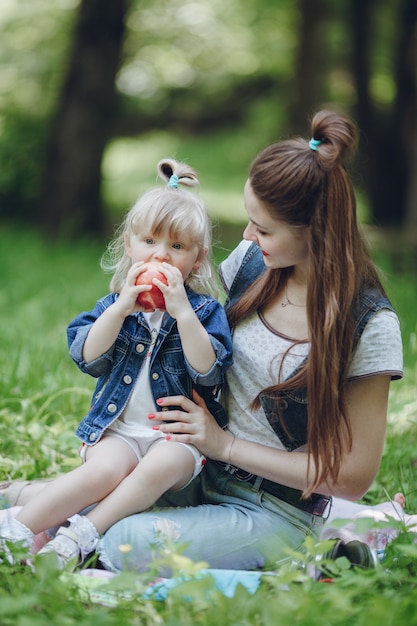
[[66, 530], [64, 545]]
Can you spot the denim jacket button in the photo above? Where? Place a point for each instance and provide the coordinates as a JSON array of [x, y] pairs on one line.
[[127, 379], [140, 348], [155, 376], [93, 436], [112, 408]]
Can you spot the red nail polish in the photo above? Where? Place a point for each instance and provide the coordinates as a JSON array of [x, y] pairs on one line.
[[155, 427], [151, 416], [159, 401], [168, 437]]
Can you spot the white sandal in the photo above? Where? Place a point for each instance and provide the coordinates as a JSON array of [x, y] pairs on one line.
[[73, 543]]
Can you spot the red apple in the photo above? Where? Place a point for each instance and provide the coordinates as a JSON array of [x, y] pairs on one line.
[[152, 299]]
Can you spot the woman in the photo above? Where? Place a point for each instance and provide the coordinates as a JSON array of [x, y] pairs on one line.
[[316, 344]]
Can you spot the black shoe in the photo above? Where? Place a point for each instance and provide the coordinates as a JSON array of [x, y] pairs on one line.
[[359, 554]]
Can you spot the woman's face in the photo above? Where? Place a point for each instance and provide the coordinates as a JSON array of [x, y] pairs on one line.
[[281, 244]]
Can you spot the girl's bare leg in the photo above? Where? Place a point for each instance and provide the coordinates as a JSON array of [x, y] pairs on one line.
[[167, 466], [108, 462]]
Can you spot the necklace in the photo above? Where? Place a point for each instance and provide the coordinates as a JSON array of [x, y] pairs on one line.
[[286, 301]]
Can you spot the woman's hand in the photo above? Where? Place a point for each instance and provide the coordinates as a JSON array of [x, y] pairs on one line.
[[194, 424]]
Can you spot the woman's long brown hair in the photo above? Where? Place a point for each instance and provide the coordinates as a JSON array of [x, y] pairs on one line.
[[304, 187]]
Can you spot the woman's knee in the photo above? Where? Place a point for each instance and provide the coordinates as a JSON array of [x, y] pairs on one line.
[[128, 544]]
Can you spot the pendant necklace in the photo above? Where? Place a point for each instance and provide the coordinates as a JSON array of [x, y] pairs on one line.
[[287, 301]]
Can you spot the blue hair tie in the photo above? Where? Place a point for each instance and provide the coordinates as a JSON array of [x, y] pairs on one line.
[[314, 143], [173, 181]]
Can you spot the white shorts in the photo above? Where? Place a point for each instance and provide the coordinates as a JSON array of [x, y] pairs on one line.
[[142, 444]]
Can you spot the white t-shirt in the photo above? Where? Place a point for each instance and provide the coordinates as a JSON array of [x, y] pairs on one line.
[[258, 351], [134, 419]]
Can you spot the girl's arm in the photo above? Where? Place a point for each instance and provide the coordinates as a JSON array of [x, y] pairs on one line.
[[106, 328], [103, 333], [195, 340], [367, 401]]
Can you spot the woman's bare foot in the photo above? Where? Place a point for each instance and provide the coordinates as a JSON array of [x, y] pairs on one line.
[[19, 492], [400, 499]]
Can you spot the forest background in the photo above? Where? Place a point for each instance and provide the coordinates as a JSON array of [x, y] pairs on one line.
[[92, 94]]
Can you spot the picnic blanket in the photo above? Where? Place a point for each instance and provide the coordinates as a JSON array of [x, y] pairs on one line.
[[97, 584]]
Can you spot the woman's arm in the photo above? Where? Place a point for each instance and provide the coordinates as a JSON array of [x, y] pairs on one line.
[[367, 401]]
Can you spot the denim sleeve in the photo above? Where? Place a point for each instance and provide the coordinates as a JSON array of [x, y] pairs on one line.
[[230, 266], [77, 332], [213, 318]]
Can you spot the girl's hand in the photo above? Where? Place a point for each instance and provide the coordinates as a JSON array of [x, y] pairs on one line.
[[103, 333], [176, 300], [194, 425], [127, 303]]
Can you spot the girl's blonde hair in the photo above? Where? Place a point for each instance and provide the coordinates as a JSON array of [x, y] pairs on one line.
[[168, 208]]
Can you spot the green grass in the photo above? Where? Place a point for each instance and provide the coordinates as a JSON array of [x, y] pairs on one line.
[[43, 396]]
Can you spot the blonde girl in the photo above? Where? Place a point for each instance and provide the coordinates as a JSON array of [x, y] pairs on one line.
[[138, 357]]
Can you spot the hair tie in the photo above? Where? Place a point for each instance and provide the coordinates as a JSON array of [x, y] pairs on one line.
[[314, 144], [173, 181]]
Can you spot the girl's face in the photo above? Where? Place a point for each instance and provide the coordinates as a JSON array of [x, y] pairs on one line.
[[145, 246], [281, 244]]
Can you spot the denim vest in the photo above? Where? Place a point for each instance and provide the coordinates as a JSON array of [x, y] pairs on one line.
[[293, 403], [170, 374]]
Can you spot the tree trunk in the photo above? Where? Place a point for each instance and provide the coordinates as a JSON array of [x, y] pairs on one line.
[[370, 140], [387, 136], [406, 114], [310, 66], [70, 200]]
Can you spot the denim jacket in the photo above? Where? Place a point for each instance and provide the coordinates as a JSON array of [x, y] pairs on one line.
[[293, 403], [170, 374]]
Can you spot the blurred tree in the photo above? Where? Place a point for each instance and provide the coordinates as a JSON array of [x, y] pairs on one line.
[[310, 74], [256, 67], [192, 67], [406, 115], [390, 131], [70, 198], [372, 46]]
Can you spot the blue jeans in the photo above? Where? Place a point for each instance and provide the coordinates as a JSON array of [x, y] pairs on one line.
[[238, 526]]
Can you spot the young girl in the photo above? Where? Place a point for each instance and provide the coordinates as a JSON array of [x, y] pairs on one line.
[[138, 357]]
